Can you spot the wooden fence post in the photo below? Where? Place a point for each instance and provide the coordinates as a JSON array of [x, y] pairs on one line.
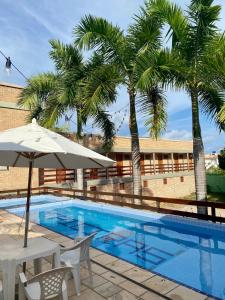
[[213, 211], [158, 205]]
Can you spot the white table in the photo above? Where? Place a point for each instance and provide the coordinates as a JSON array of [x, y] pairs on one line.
[[12, 254]]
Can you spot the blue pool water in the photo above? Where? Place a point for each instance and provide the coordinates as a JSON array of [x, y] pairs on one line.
[[187, 251]]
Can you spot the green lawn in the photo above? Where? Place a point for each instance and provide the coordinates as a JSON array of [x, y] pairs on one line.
[[217, 197]]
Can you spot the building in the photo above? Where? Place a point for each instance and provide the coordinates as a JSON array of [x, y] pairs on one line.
[[166, 166], [13, 116], [211, 161]]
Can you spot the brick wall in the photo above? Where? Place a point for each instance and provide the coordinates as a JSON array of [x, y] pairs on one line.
[[172, 187], [14, 178], [11, 118], [9, 92], [17, 178]]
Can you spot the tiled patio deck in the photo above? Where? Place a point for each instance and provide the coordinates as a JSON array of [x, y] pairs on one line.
[[113, 278]]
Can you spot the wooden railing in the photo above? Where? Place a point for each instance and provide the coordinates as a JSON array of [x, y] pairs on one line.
[[146, 202], [56, 176], [47, 176], [156, 204], [125, 171], [105, 173]]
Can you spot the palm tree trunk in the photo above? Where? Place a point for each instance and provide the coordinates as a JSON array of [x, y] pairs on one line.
[[135, 147], [79, 124], [80, 172], [199, 154]]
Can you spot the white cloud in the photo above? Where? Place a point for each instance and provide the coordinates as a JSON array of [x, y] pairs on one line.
[[178, 135]]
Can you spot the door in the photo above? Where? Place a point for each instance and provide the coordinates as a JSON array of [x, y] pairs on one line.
[[159, 157], [119, 164], [142, 164], [60, 175], [176, 162]]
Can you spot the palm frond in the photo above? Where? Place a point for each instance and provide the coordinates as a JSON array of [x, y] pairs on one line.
[[170, 14], [212, 101], [202, 16], [99, 88], [153, 105], [164, 67], [65, 56], [98, 33], [145, 33], [37, 92], [221, 115], [102, 121]]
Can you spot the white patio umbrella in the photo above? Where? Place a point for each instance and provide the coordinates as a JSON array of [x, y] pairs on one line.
[[36, 147]]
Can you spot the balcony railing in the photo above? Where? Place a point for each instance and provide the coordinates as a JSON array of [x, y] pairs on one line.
[[56, 176], [126, 171], [47, 176]]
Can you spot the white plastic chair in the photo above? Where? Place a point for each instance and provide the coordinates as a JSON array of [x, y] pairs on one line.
[[77, 254], [47, 285]]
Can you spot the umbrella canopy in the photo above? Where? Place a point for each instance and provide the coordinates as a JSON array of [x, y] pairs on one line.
[[36, 147], [47, 149]]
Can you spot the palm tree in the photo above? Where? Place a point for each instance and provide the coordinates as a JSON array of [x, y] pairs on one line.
[[123, 51], [76, 86], [194, 36], [84, 88]]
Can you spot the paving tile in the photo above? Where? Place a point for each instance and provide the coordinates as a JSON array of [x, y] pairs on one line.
[[120, 266], [160, 284], [97, 280], [88, 294], [138, 274], [94, 252], [84, 273], [108, 289], [123, 295], [105, 259], [152, 296], [114, 278], [98, 269], [133, 288], [183, 293]]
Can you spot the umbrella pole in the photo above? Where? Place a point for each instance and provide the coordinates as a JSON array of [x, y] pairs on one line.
[[27, 217]]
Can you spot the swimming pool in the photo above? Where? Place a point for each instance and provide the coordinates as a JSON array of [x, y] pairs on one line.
[[190, 252]]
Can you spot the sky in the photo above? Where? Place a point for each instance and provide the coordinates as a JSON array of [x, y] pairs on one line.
[[27, 26]]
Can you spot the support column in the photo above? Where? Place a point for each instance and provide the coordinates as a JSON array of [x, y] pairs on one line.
[[153, 155], [172, 162], [188, 161]]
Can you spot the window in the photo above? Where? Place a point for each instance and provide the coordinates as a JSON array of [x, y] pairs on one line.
[[166, 156], [127, 157], [164, 180], [145, 183], [122, 186], [182, 179], [93, 188]]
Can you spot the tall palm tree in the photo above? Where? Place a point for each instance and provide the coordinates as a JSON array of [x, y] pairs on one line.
[[85, 88], [194, 35], [123, 50]]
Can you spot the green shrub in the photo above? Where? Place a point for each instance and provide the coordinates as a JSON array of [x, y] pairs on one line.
[[221, 159], [216, 170]]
